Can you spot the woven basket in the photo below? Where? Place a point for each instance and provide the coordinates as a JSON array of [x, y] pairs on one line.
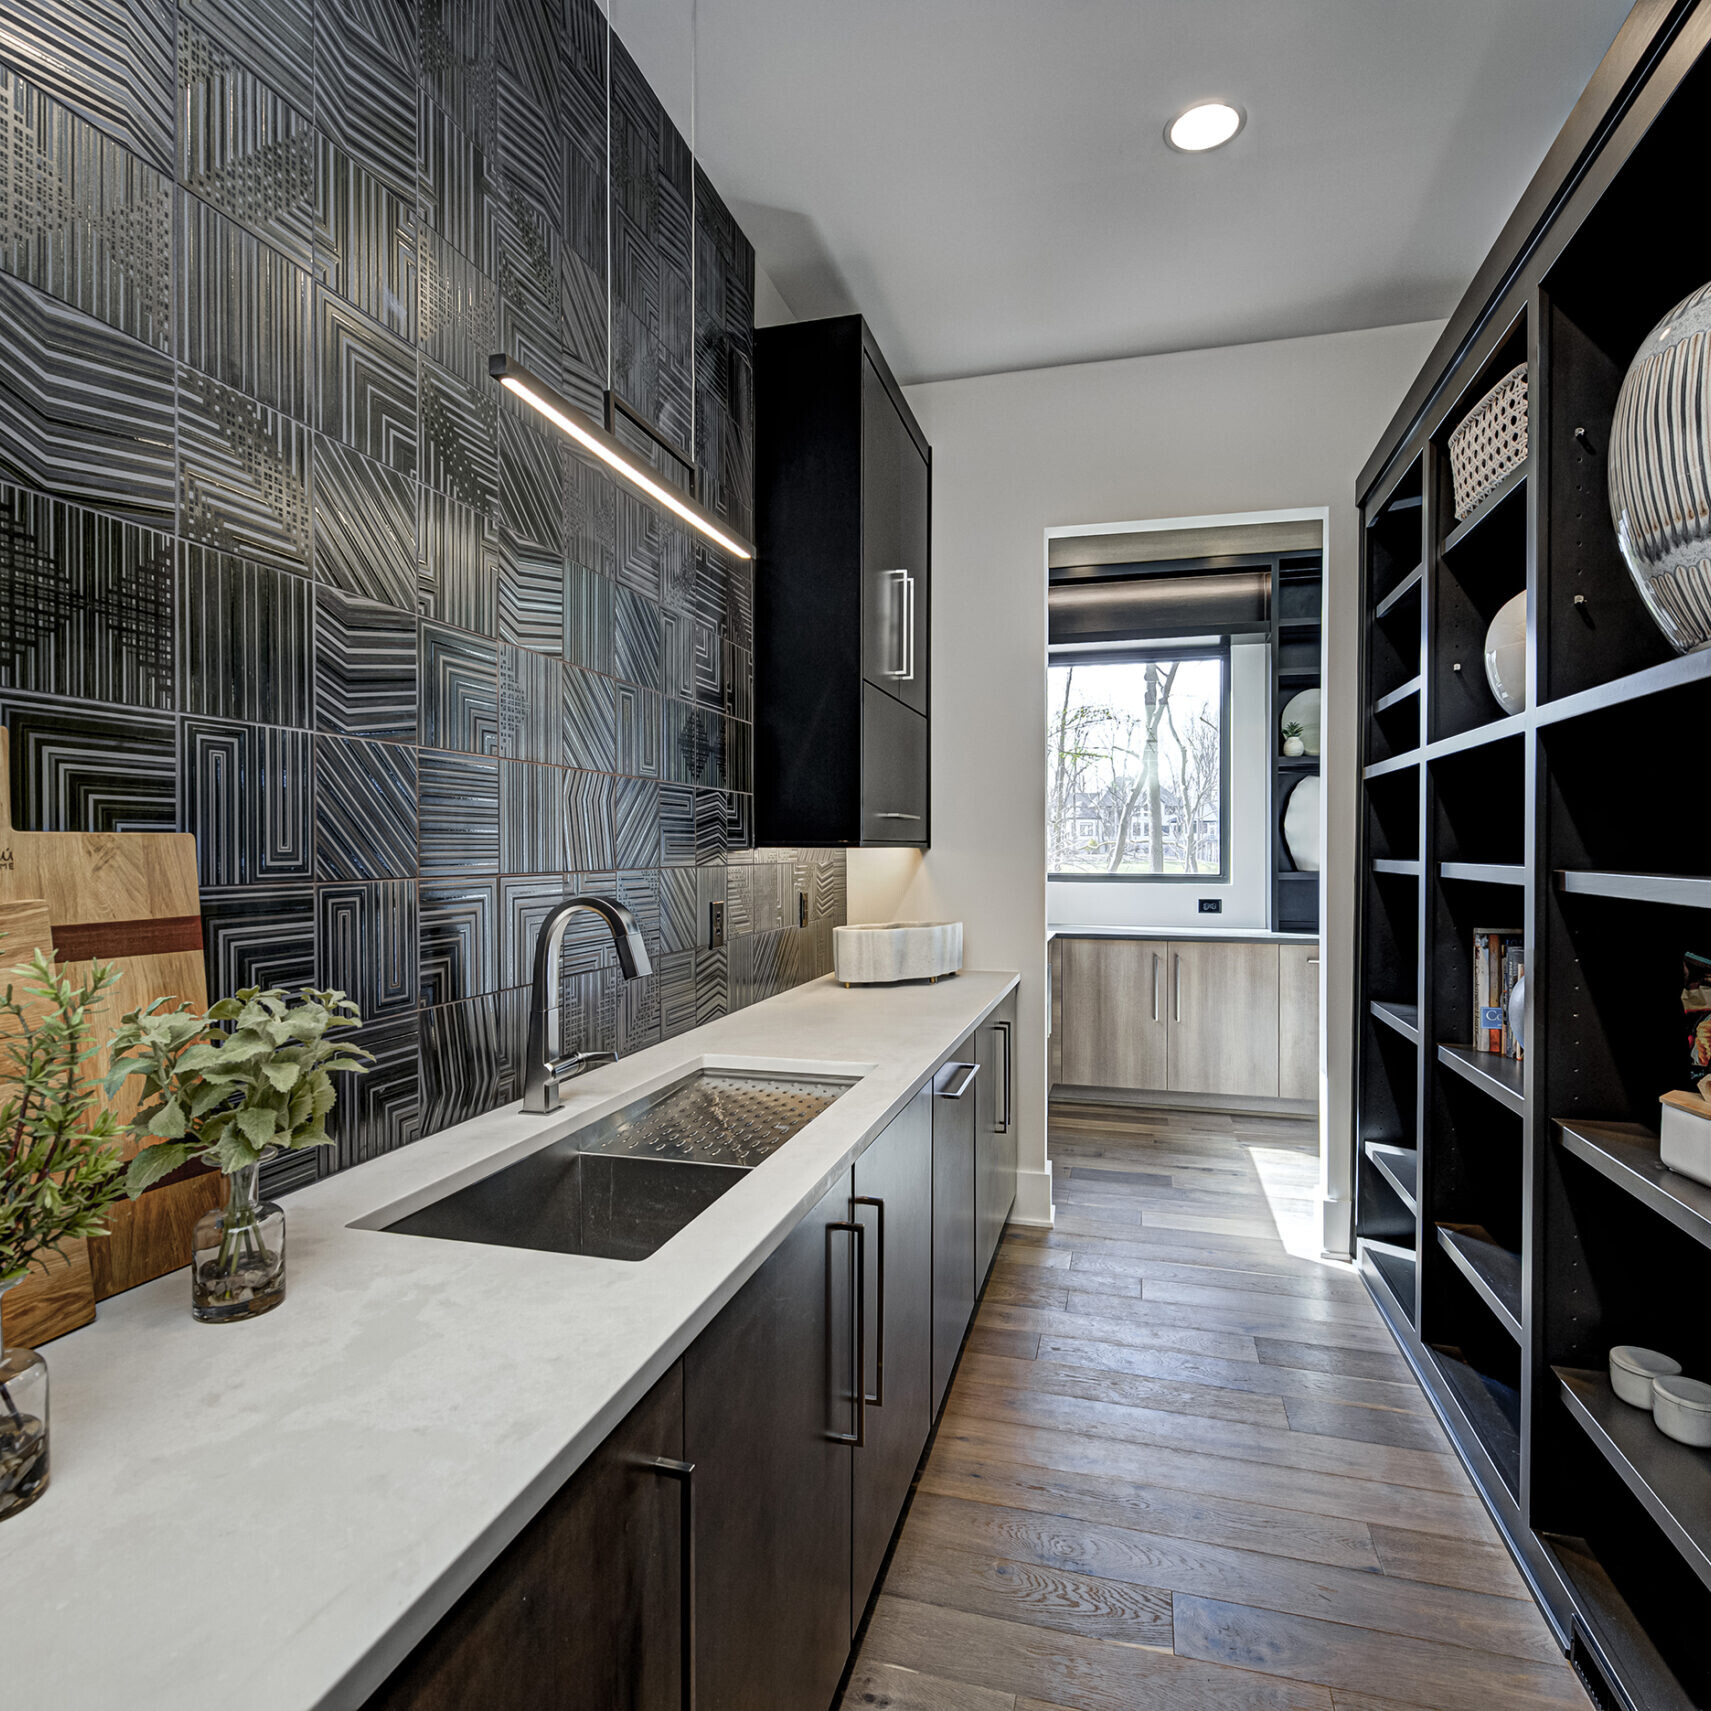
[[1489, 442]]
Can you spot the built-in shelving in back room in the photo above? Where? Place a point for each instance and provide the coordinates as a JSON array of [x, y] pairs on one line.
[[1514, 1220]]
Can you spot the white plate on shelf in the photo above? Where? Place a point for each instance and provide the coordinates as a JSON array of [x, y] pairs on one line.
[[1301, 824], [1303, 710]]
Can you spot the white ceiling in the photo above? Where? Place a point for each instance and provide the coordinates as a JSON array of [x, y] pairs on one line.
[[987, 180]]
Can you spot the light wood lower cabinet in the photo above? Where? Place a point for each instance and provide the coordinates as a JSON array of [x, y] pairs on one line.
[[1223, 1019], [1114, 1012], [1298, 1021], [1229, 1017]]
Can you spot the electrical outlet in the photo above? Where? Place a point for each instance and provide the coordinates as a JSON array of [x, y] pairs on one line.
[[802, 908], [1211, 905], [715, 925]]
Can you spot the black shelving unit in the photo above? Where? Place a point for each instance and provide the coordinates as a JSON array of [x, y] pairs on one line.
[[1297, 663], [1513, 1218]]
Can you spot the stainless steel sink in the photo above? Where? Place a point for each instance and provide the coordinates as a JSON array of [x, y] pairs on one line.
[[624, 1186]]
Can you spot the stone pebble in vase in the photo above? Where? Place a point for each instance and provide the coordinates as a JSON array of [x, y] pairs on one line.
[[23, 1422], [1660, 472]]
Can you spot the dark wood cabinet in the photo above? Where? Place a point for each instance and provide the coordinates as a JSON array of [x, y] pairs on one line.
[[584, 1610], [770, 1408], [843, 593], [953, 1211], [995, 1135], [894, 1201]]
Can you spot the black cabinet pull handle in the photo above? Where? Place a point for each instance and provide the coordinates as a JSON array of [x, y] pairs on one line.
[[877, 1399], [1004, 1029], [684, 1473], [858, 1354]]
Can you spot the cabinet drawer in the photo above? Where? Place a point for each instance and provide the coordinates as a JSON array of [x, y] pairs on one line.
[[893, 771]]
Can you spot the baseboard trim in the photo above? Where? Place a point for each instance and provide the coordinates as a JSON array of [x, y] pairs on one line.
[[1033, 1206], [1240, 1104]]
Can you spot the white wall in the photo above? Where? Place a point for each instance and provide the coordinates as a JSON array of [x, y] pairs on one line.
[[1246, 893], [1199, 433]]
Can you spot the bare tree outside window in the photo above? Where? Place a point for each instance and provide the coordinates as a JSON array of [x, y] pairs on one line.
[[1134, 758]]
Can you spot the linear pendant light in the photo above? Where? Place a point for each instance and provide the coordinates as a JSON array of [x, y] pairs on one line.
[[599, 442]]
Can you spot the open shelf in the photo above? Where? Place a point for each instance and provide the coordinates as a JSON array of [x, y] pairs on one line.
[[1627, 1155], [1671, 1481], [1677, 891], [1493, 731], [1483, 872], [1410, 584], [1491, 1408], [1396, 763], [1404, 1018], [1400, 1167], [1491, 506], [1397, 696], [1396, 867], [1682, 672], [1393, 1267], [1492, 1269], [1503, 1078]]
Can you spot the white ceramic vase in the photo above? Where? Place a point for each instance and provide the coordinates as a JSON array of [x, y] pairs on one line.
[[1660, 472], [1506, 655]]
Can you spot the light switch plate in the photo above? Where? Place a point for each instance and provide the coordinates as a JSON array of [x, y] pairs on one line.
[[1211, 905], [715, 925], [802, 908]]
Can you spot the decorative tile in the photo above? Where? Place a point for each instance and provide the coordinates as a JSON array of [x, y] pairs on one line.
[[365, 810], [638, 731], [242, 147], [365, 668], [460, 691], [365, 241], [81, 218], [635, 822], [677, 827], [529, 705], [368, 386], [693, 745], [381, 1109], [531, 818], [678, 567], [582, 120], [243, 311], [87, 607], [459, 62], [524, 904], [109, 60], [458, 310], [75, 769], [678, 913], [365, 944], [286, 1172], [587, 820], [246, 792], [638, 1015], [531, 475], [587, 618], [639, 891], [365, 526], [459, 940], [715, 817], [365, 85], [459, 439], [636, 639], [457, 816], [259, 936], [531, 596], [275, 38], [452, 176], [590, 720], [711, 986], [457, 572], [463, 1073], [244, 640], [582, 318], [243, 474], [525, 263], [641, 548], [674, 979], [590, 516], [756, 968], [85, 413]]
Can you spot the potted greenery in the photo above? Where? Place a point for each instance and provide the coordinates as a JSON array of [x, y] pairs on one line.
[[59, 1168], [1294, 740], [252, 1077]]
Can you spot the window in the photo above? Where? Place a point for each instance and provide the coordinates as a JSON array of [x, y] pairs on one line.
[[1135, 764]]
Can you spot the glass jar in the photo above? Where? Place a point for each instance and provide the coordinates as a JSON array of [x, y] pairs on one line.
[[237, 1268], [23, 1423]]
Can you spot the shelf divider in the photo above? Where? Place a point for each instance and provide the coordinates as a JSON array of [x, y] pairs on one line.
[[1502, 1077], [1400, 869], [1484, 872], [1396, 763], [1493, 1271], [1398, 695], [1477, 1396], [1404, 1018], [1627, 1155], [1510, 485], [1400, 1167], [1681, 891], [1671, 1481], [1400, 592]]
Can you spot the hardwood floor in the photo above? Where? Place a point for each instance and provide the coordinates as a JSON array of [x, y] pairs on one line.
[[1183, 1468]]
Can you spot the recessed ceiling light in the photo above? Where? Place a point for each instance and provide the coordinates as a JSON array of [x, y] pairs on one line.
[[1206, 125]]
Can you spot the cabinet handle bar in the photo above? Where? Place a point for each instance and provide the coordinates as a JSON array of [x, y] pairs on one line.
[[684, 1473], [877, 1399]]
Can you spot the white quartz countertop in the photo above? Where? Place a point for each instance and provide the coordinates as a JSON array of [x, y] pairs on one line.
[[271, 1514], [1251, 935]]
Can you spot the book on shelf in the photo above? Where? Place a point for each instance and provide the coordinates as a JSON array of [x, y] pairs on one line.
[[1499, 960]]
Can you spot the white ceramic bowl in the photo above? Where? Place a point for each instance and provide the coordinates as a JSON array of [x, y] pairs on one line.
[[1682, 1410], [1633, 1369], [896, 950], [1506, 655]]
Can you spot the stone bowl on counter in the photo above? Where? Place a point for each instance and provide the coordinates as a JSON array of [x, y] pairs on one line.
[[896, 950]]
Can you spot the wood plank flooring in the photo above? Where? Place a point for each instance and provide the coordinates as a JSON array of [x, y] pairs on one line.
[[1183, 1468]]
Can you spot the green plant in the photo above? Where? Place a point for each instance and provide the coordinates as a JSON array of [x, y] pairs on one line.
[[254, 1073], [60, 1154], [1292, 729]]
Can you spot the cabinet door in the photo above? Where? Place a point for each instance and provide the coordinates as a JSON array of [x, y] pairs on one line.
[[1223, 1018], [895, 592], [953, 1211], [894, 1203], [995, 1137], [583, 1611], [893, 771], [1114, 1010], [769, 1392], [1298, 1022]]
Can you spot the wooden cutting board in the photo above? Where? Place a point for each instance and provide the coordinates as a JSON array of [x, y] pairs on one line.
[[129, 898]]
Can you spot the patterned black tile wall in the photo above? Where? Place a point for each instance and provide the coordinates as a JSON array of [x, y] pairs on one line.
[[280, 566]]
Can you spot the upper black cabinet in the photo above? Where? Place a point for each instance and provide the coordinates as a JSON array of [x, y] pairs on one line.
[[843, 592]]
